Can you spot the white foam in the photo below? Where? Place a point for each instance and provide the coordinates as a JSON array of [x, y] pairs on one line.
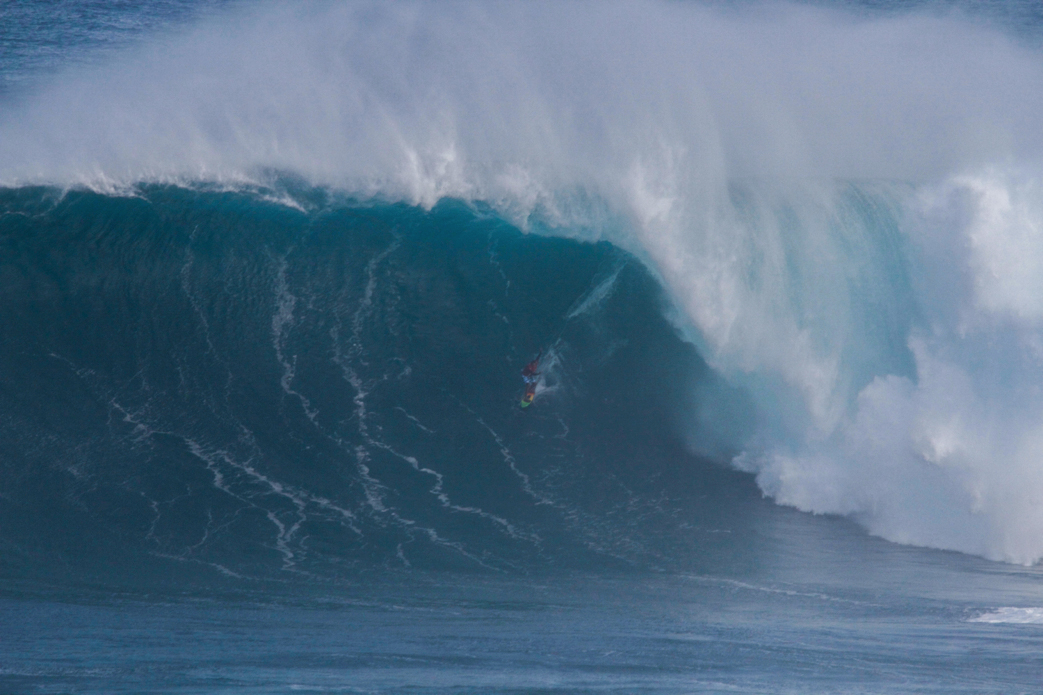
[[1018, 616], [948, 456]]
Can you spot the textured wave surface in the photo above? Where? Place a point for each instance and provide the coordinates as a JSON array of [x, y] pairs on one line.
[[218, 379]]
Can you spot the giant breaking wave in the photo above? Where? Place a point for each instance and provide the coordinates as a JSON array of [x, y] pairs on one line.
[[845, 211]]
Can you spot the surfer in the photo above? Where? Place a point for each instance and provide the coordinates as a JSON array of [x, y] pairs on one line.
[[530, 376], [529, 373]]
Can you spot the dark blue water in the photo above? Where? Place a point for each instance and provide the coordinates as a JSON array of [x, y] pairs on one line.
[[36, 40], [262, 433], [677, 634]]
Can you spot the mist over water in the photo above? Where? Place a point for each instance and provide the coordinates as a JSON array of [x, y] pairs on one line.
[[846, 209]]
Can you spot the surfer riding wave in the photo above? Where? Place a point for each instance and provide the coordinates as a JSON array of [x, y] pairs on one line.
[[531, 376]]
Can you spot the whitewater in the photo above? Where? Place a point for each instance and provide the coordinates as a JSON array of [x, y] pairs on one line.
[[270, 272]]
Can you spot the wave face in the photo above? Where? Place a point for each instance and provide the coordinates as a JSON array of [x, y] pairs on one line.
[[844, 210], [222, 380]]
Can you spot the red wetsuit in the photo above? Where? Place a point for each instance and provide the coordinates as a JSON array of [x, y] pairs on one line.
[[529, 374]]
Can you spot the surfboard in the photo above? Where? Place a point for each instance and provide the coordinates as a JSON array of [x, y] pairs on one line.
[[526, 400]]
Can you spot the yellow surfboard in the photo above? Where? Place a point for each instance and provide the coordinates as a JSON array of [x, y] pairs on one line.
[[526, 400]]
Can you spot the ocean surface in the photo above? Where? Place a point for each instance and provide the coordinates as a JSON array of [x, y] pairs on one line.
[[269, 273]]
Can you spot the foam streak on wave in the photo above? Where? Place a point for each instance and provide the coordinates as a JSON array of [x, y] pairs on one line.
[[1016, 616], [354, 353]]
